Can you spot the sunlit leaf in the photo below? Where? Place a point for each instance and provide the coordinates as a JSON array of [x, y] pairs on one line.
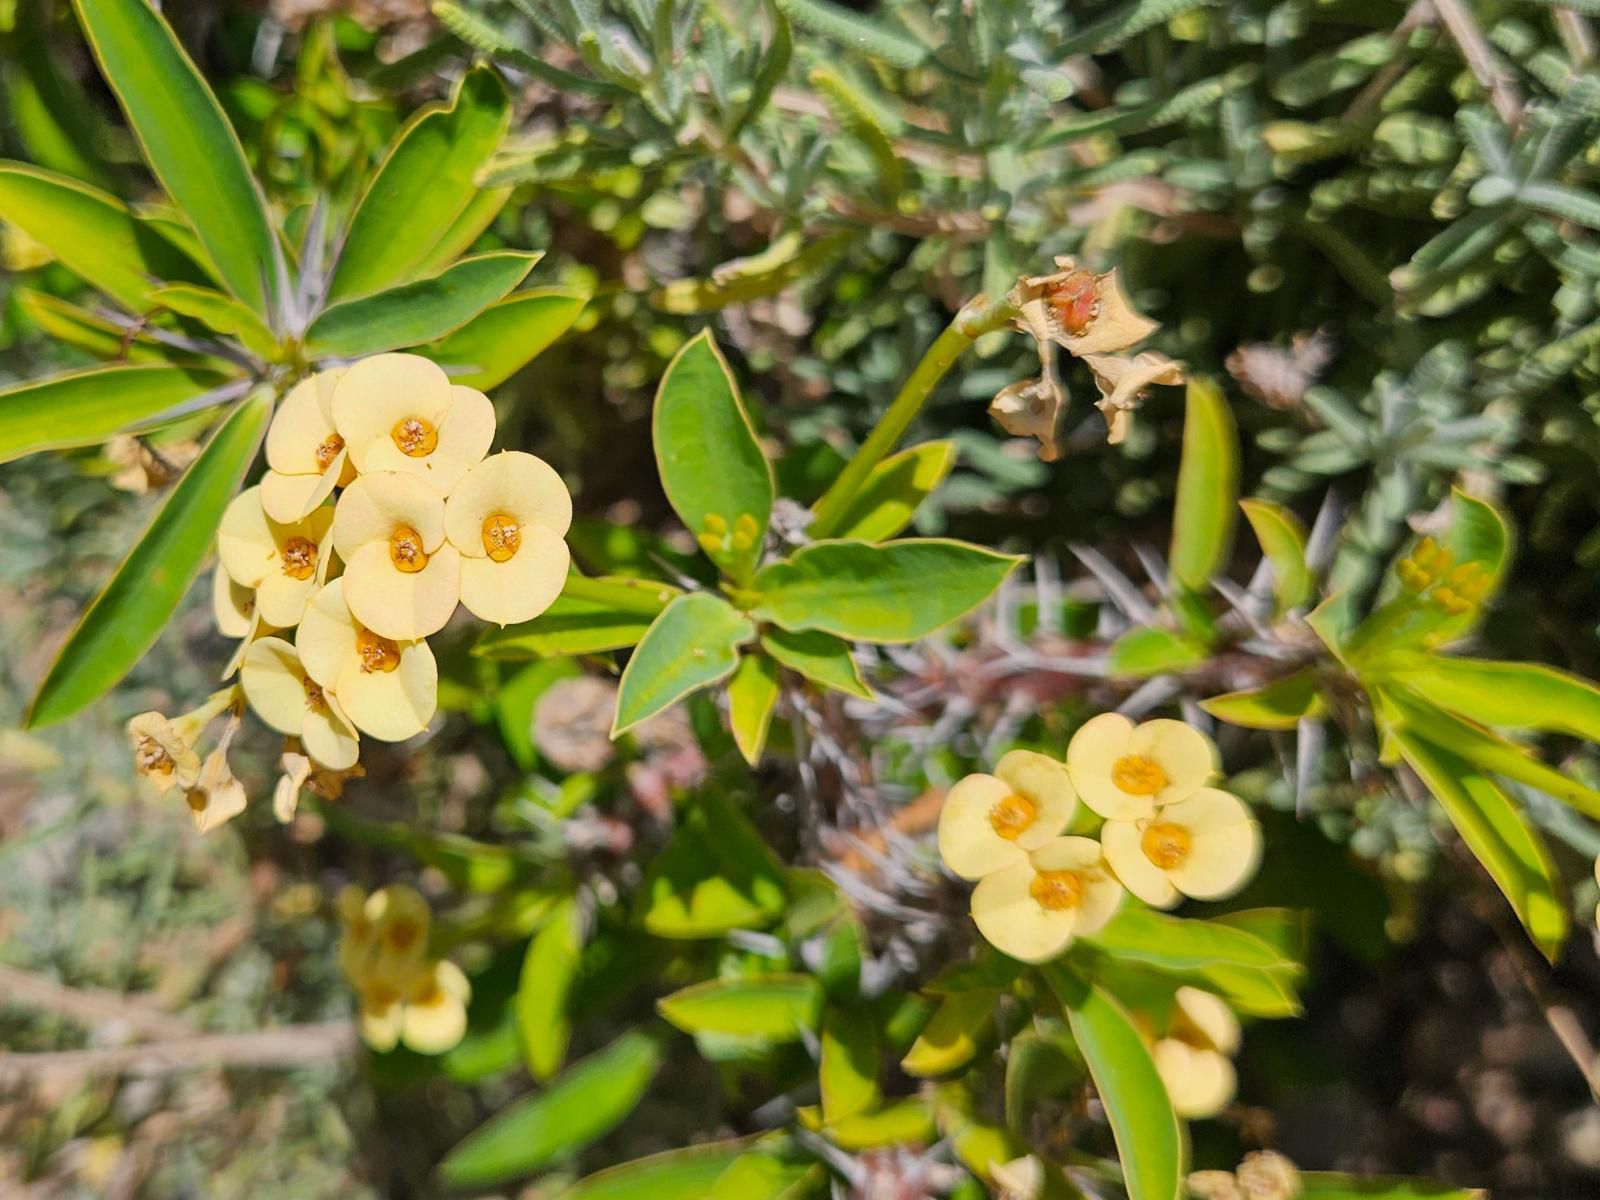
[[692, 644], [1283, 541], [548, 972], [1208, 481], [752, 695], [85, 407], [820, 657], [775, 1008], [505, 337], [1281, 704], [891, 494]]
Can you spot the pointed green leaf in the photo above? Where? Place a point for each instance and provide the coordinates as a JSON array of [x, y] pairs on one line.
[[93, 333], [59, 126], [1283, 541], [848, 1068], [772, 1007], [1488, 821], [1508, 695], [422, 188], [467, 228], [891, 494], [890, 592], [1182, 944], [1147, 650], [820, 657], [1328, 1185], [579, 1107], [1208, 483], [713, 469], [1149, 1138], [691, 645], [1281, 704], [91, 233], [907, 1122], [420, 311], [221, 313], [549, 970], [505, 337], [674, 1175], [963, 1022], [752, 695], [187, 141], [759, 1175], [1041, 1064], [125, 619], [85, 407], [715, 876], [569, 626]]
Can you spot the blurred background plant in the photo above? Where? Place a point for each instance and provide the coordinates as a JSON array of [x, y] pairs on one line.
[[1374, 222]]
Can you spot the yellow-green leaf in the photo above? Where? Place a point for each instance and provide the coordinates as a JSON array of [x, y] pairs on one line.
[[752, 695], [819, 657], [772, 1007], [549, 970], [1509, 695], [848, 1068], [715, 875], [962, 1023], [906, 1123], [691, 645], [674, 1175], [505, 337], [891, 494], [1280, 704], [1208, 481], [1147, 650], [221, 313], [84, 407], [1283, 542], [125, 619]]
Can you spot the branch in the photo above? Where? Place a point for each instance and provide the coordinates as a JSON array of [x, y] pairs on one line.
[[93, 1007], [1480, 59], [287, 1046]]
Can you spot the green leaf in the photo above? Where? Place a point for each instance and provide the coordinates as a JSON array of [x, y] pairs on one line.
[[752, 695], [1147, 650], [92, 234], [759, 1175], [1284, 929], [548, 972], [675, 1175], [1181, 944], [891, 592], [1149, 1138], [420, 191], [890, 495], [772, 1007], [487, 867], [909, 1122], [1488, 822], [569, 626], [505, 337], [85, 407], [692, 644], [221, 313], [820, 657], [1328, 1185], [467, 228], [1208, 483], [420, 311], [860, 33], [187, 141], [1283, 541], [93, 333], [1041, 1063], [712, 467], [59, 126], [848, 1068], [962, 1023], [715, 876], [1281, 704], [1509, 695], [578, 1108], [125, 619]]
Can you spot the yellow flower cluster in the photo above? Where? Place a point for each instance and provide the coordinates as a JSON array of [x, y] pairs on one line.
[[1164, 833], [1430, 570], [405, 995], [424, 518], [1194, 1056]]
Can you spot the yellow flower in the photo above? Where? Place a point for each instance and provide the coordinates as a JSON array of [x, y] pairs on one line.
[[284, 563], [296, 769], [217, 796], [400, 412], [290, 701], [401, 578], [1079, 310], [508, 518], [164, 751], [1033, 909], [434, 1016], [992, 821], [1123, 382], [1124, 771], [233, 606], [389, 689], [1194, 1060], [306, 456], [405, 995], [1205, 847]]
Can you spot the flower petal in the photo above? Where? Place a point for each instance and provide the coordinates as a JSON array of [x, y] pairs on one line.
[[303, 422], [511, 483], [1139, 875], [1208, 1016], [1101, 893], [1226, 844], [274, 683], [1045, 782], [231, 604], [523, 586], [435, 1023], [1094, 749], [1200, 1082], [1186, 756], [397, 604], [327, 635], [392, 705], [374, 506], [328, 736], [464, 433], [379, 392], [380, 1028], [246, 544], [968, 842], [1014, 922], [288, 498]]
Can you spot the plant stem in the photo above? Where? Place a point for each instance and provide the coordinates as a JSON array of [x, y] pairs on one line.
[[976, 318], [644, 596]]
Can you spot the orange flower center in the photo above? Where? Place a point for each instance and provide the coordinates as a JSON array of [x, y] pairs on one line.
[[501, 537], [329, 450], [415, 437], [1012, 816], [151, 758], [1057, 890], [1166, 845], [196, 799], [405, 550], [1138, 775], [299, 558], [403, 934], [380, 997], [1075, 301], [315, 700], [377, 653]]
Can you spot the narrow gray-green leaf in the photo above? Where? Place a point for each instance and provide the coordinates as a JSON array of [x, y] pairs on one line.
[[692, 644], [889, 592], [125, 619], [187, 141], [82, 408], [417, 312]]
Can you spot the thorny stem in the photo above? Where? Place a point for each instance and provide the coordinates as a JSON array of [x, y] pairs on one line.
[[976, 318], [1480, 59]]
